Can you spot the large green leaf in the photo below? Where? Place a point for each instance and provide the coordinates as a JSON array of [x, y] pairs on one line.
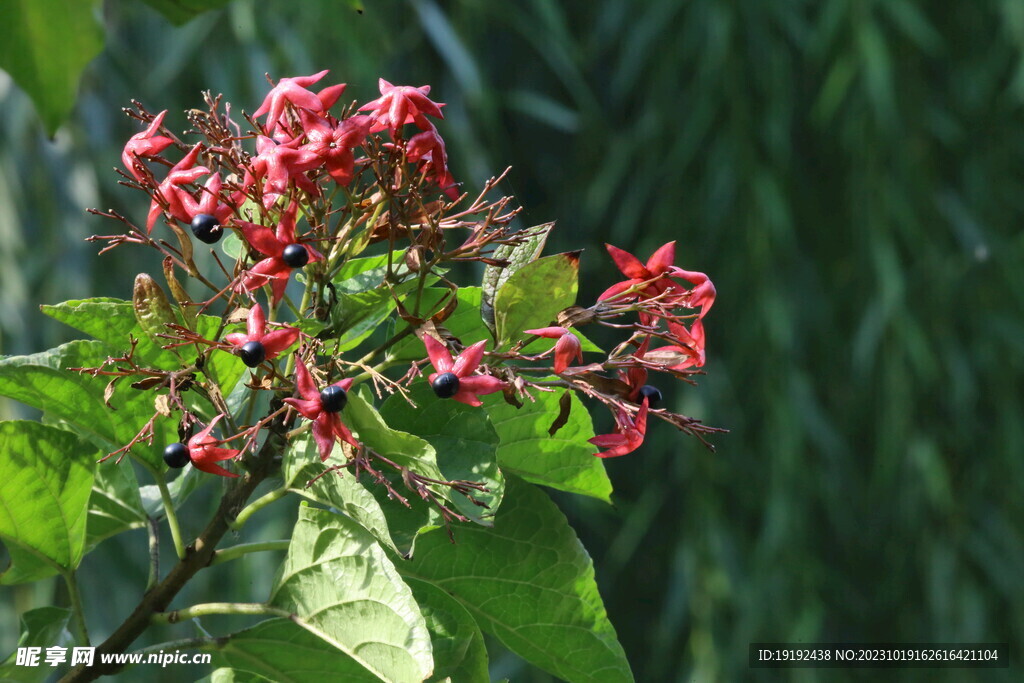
[[459, 650], [43, 381], [464, 323], [342, 586], [43, 627], [534, 295], [529, 582], [340, 490], [46, 477], [406, 450], [25, 567], [114, 505], [463, 438], [46, 46], [563, 460], [226, 675], [283, 651]]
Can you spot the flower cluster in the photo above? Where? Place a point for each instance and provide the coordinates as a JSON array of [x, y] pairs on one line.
[[341, 219]]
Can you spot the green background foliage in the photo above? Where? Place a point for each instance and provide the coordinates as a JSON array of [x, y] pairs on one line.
[[849, 174]]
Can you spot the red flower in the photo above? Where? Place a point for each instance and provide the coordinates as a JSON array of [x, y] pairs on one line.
[[210, 201], [273, 269], [659, 264], [294, 90], [567, 347], [468, 386], [635, 377], [399, 105], [690, 345], [332, 143], [256, 331], [428, 149], [204, 452], [628, 435], [327, 424], [279, 163], [183, 173], [145, 144]]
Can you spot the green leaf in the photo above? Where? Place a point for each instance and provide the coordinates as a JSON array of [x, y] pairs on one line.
[[43, 627], [180, 488], [529, 582], [356, 316], [340, 490], [182, 11], [407, 450], [517, 256], [563, 460], [464, 323], [25, 567], [463, 438], [281, 650], [46, 477], [368, 273], [534, 295], [114, 505], [43, 381], [342, 587], [46, 46], [459, 650], [226, 675]]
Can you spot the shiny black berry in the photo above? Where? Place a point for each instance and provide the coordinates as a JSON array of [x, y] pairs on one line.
[[295, 255], [333, 399], [176, 455], [252, 353], [445, 385], [206, 228], [652, 394]]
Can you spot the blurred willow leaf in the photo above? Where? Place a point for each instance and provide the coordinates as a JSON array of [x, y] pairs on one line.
[[46, 46]]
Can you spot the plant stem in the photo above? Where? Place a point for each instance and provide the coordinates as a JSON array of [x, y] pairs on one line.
[[209, 608], [256, 506], [198, 556], [183, 644], [154, 552], [172, 517], [76, 606], [236, 551]]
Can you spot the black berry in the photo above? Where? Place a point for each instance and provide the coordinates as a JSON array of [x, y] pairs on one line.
[[445, 385], [252, 353], [652, 394], [206, 228], [176, 455], [295, 255], [333, 399]]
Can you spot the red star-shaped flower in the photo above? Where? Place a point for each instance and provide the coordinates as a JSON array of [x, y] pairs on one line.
[[333, 141], [210, 201], [275, 268], [272, 343], [322, 407], [145, 144], [689, 346], [399, 105], [456, 376], [428, 149], [567, 348], [204, 451], [277, 164], [183, 173], [294, 90], [628, 435]]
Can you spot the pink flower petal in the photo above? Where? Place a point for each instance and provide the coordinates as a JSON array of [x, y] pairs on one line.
[[439, 355], [469, 359]]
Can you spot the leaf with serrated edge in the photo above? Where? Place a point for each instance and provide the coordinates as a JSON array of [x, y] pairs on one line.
[[46, 477], [529, 582], [563, 461], [339, 490], [342, 586]]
